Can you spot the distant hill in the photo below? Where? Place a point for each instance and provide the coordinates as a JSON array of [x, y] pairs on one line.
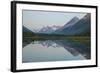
[[77, 27]]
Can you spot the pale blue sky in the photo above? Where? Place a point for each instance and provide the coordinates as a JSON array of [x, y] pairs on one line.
[[35, 20]]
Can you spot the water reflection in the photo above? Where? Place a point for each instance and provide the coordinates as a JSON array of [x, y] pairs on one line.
[[54, 50]]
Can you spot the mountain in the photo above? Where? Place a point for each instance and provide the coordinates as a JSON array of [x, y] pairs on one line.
[[48, 29], [27, 32], [25, 29], [68, 24], [76, 27], [71, 22]]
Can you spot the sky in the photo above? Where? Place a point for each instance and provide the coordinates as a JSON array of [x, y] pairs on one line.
[[35, 20]]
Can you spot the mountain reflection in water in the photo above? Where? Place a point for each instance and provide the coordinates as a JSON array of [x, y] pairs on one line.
[[54, 50]]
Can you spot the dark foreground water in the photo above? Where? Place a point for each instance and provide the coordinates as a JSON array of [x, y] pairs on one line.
[[54, 50]]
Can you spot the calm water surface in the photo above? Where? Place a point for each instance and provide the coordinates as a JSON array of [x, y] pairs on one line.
[[54, 50]]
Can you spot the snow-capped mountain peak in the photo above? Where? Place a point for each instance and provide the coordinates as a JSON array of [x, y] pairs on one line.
[[48, 29]]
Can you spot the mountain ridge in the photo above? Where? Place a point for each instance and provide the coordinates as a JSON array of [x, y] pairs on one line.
[[82, 26]]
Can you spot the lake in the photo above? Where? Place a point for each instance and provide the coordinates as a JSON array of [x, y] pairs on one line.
[[54, 50]]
